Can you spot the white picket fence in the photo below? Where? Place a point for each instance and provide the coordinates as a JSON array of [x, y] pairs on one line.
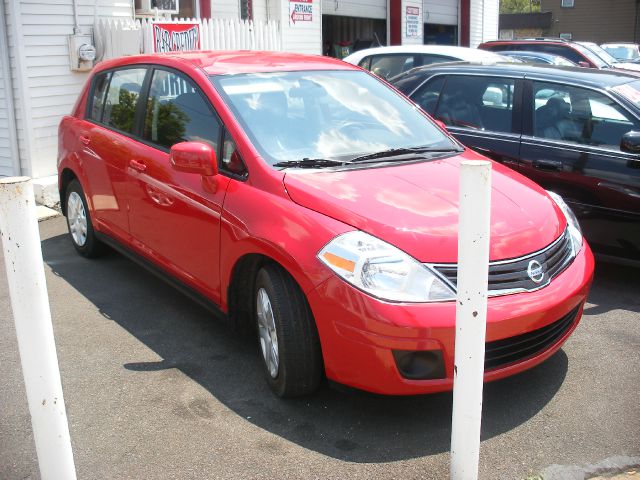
[[121, 37]]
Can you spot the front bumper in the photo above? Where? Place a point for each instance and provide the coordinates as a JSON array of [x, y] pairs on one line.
[[358, 333]]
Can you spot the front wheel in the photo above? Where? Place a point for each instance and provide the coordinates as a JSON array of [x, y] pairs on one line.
[[287, 334]]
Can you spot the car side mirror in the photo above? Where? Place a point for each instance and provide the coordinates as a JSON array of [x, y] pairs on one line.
[[630, 142], [194, 157], [582, 63]]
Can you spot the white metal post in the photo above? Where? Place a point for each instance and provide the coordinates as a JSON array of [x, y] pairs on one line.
[[32, 317], [471, 317]]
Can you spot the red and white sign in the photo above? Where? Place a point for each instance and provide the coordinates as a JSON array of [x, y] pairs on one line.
[[413, 22], [300, 11], [176, 37]]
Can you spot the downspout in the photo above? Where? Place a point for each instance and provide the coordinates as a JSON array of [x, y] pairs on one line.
[[8, 88]]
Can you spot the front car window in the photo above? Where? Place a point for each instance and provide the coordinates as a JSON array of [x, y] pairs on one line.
[[479, 103], [177, 112], [578, 115], [324, 114]]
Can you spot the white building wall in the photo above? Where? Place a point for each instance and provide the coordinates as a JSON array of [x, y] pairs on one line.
[[441, 12], [225, 9], [483, 21], [40, 64], [6, 140], [302, 37]]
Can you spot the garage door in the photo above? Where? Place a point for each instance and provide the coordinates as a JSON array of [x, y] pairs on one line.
[[356, 8], [441, 12]]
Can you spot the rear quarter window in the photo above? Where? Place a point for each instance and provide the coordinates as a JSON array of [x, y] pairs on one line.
[[122, 99]]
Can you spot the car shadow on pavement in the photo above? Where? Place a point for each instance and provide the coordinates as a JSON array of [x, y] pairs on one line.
[[344, 424], [614, 287]]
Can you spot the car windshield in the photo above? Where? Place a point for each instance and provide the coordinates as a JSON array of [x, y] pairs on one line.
[[592, 56], [622, 52], [329, 115], [601, 52], [630, 91]]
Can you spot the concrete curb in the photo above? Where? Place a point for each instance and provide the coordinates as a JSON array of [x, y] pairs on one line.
[[607, 467]]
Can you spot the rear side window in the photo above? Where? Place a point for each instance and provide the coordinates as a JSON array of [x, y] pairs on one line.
[[100, 85], [177, 112], [122, 98], [479, 103], [387, 66]]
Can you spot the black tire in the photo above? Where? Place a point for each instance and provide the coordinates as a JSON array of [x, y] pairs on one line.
[[92, 247], [300, 365]]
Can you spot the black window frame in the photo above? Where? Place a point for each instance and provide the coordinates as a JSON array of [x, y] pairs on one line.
[[141, 108]]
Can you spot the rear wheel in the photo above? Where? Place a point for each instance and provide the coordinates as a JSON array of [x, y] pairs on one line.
[[79, 222], [287, 335]]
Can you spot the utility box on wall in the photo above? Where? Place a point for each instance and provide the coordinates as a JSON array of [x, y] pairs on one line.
[[82, 52]]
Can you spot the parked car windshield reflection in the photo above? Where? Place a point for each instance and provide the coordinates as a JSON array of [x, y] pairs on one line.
[[325, 114]]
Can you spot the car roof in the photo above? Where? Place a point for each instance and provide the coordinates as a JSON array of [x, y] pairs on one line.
[[530, 53], [461, 53], [585, 76], [234, 61]]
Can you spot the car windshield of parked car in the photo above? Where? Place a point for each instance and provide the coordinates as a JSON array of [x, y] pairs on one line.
[[334, 115], [602, 53], [630, 91], [622, 52], [592, 56]]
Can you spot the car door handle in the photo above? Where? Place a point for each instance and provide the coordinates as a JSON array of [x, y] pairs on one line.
[[84, 139], [552, 165], [136, 165]]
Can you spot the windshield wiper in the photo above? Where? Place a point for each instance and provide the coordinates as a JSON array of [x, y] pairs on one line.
[[311, 163], [392, 152]]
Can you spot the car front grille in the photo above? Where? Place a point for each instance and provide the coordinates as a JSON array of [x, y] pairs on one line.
[[500, 353], [515, 275]]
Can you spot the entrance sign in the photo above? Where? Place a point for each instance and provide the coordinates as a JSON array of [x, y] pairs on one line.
[[176, 37], [300, 11]]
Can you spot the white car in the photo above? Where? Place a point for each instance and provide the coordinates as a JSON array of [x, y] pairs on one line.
[[388, 62]]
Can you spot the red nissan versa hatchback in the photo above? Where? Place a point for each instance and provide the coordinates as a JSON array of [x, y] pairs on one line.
[[305, 197]]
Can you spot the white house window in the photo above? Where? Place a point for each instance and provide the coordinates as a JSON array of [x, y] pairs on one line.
[[567, 3], [565, 36]]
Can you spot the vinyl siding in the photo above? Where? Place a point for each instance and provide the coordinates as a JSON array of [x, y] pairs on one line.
[[484, 16], [45, 75], [6, 157], [593, 20], [303, 37], [440, 12]]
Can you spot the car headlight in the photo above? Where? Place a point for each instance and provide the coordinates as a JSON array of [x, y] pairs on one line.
[[382, 270], [575, 232]]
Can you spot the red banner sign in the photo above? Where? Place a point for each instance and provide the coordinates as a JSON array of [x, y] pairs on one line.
[[176, 37]]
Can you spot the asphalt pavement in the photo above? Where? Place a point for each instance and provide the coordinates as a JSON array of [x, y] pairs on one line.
[[156, 388]]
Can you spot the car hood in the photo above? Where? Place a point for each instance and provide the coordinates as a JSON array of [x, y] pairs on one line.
[[415, 207]]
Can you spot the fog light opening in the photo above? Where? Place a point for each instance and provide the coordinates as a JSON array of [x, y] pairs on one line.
[[420, 365]]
